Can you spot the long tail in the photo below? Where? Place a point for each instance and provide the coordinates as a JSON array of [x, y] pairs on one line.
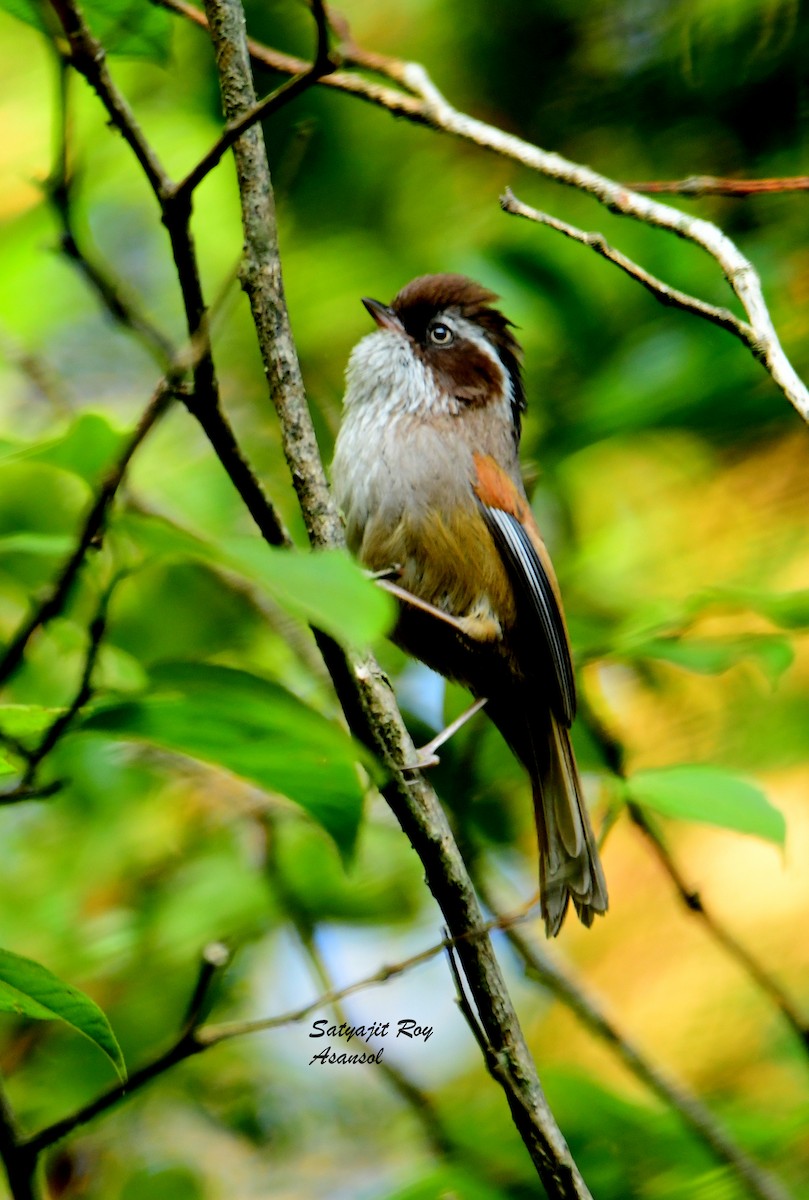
[[569, 865]]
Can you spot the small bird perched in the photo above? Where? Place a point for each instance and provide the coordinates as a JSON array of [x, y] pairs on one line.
[[426, 471]]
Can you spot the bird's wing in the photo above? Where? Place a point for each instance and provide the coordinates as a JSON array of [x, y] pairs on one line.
[[511, 523]]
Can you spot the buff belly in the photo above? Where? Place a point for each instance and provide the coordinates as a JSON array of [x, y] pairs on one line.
[[409, 506]]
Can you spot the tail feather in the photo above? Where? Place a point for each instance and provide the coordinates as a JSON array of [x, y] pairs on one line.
[[569, 865]]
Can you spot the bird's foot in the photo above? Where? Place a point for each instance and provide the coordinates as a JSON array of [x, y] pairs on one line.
[[426, 756]]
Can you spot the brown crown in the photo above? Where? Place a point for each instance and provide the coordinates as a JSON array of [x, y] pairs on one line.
[[421, 299]]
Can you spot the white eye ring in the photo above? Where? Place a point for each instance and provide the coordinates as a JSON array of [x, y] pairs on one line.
[[441, 334]]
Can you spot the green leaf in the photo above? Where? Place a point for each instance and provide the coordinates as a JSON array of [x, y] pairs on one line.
[[709, 795], [711, 656], [167, 1183], [31, 990], [46, 545], [788, 610], [157, 536], [325, 588], [7, 764], [24, 720], [39, 498], [29, 11], [88, 446], [254, 728], [127, 27]]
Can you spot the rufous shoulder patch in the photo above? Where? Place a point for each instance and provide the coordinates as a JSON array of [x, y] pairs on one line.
[[495, 488]]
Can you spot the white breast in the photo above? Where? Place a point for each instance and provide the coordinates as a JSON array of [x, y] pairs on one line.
[[388, 455]]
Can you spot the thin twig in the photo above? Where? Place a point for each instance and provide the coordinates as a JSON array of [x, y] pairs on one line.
[[93, 525], [59, 727], [194, 1039], [322, 64], [415, 1097], [19, 795], [213, 1034], [693, 1113], [20, 1163], [613, 753], [661, 291], [466, 1009], [693, 901], [710, 185], [422, 103], [15, 746], [38, 371], [214, 958], [116, 299]]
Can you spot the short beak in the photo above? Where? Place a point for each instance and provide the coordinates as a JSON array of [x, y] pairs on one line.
[[385, 317]]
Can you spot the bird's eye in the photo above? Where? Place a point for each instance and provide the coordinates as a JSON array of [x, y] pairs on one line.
[[440, 335]]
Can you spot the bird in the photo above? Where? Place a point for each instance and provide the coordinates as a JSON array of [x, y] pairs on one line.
[[426, 473]]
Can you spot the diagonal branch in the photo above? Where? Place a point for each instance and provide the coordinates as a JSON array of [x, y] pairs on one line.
[[214, 958], [661, 291], [89, 58], [19, 1162], [695, 904], [19, 795], [94, 522], [420, 1103], [322, 64], [59, 727], [709, 185], [613, 753], [423, 103], [120, 305], [194, 1037], [366, 697], [693, 1113]]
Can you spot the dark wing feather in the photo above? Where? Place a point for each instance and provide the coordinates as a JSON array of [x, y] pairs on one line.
[[534, 590]]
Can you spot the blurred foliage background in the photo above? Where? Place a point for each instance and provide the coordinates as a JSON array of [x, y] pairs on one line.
[[670, 479]]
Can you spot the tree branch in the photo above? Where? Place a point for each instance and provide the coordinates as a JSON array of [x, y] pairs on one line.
[[422, 103], [613, 753], [59, 727], [19, 1162], [88, 56], [661, 291], [695, 905], [366, 698], [214, 958], [38, 371], [19, 795], [694, 1115], [708, 185], [195, 1038], [417, 1100], [94, 522], [322, 64]]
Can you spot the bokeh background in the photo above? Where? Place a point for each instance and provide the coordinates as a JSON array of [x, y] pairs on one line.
[[669, 476]]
